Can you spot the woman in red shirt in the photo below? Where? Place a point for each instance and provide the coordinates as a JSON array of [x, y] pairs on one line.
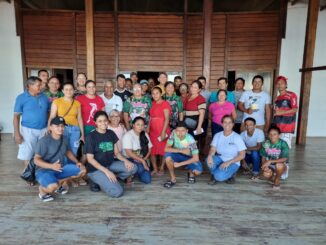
[[90, 104], [159, 129], [194, 109]]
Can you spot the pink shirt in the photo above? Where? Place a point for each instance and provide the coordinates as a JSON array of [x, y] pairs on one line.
[[218, 111], [119, 131]]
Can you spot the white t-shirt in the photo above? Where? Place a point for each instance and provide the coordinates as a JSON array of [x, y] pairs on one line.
[[257, 102], [257, 137], [131, 141], [228, 146], [114, 103]]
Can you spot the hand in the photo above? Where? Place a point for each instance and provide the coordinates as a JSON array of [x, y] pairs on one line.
[[57, 166], [80, 165], [265, 165], [19, 138], [82, 138], [163, 134], [185, 151], [111, 176], [177, 164], [145, 165], [225, 165], [209, 160], [249, 111], [129, 165], [199, 130]]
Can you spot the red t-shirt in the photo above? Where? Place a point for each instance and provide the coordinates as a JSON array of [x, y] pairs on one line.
[[89, 107], [287, 101], [192, 107]]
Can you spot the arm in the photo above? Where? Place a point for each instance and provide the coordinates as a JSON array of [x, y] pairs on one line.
[[43, 164], [238, 158], [118, 155], [279, 112], [234, 114], [72, 157], [211, 153], [181, 116], [200, 120], [81, 125], [242, 108], [169, 148], [53, 113], [126, 120], [166, 123], [255, 148], [268, 117], [91, 160], [266, 163], [194, 158], [137, 158], [16, 122]]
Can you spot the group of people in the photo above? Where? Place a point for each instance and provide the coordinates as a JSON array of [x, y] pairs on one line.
[[139, 128]]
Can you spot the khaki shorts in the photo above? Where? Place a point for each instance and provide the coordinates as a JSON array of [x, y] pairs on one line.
[[30, 138]]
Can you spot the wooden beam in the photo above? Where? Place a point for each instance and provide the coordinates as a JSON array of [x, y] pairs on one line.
[[208, 13], [185, 33], [90, 56], [316, 68], [116, 37], [308, 60]]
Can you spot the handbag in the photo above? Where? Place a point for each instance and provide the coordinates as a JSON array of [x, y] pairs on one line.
[[29, 173]]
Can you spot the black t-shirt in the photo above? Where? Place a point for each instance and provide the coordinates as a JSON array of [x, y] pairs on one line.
[[123, 95], [102, 147]]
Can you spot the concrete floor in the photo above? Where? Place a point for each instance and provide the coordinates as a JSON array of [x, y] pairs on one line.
[[243, 213]]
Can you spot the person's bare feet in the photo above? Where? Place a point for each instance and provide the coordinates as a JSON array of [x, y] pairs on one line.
[[154, 172]]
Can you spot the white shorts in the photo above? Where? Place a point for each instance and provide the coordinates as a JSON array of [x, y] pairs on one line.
[[30, 138], [287, 137]]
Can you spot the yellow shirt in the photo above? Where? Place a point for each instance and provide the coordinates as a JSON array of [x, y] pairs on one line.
[[63, 106]]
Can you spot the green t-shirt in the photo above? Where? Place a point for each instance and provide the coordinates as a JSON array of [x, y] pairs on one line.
[[177, 107], [137, 107], [54, 96], [187, 143], [274, 151]]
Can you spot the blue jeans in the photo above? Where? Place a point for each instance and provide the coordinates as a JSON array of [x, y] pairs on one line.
[[216, 128], [143, 175], [253, 158], [222, 174], [72, 135], [46, 177], [110, 188], [178, 157]]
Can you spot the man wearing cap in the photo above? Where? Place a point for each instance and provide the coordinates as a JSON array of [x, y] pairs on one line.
[[51, 171], [32, 106], [181, 150], [285, 109], [144, 88]]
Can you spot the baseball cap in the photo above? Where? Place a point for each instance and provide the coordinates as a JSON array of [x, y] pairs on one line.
[[58, 121], [143, 81]]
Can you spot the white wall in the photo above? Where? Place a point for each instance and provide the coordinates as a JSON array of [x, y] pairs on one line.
[[11, 78], [291, 62]]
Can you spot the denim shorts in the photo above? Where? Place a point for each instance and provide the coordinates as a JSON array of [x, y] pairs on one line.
[[178, 157], [46, 177]]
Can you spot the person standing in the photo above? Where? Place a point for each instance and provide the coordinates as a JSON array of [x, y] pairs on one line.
[[112, 101], [159, 129], [90, 104], [44, 76], [222, 83], [136, 105], [80, 84], [206, 94], [162, 79], [175, 103], [256, 103], [239, 89], [32, 106], [285, 110], [121, 90], [54, 91], [134, 77]]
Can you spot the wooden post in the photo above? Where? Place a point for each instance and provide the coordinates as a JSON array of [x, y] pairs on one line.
[[208, 12], [90, 56], [308, 60]]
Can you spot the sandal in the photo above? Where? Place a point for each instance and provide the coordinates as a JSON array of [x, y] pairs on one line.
[[255, 177], [191, 179], [276, 187], [212, 181], [169, 184]]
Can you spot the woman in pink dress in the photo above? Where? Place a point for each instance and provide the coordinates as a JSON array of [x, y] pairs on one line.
[[159, 128]]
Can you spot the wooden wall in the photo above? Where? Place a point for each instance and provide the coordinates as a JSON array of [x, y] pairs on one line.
[[242, 41]]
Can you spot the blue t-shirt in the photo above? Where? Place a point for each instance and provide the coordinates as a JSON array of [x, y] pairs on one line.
[[34, 110], [229, 97]]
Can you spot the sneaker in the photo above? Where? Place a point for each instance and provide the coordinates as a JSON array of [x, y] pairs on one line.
[[230, 181], [212, 181], [46, 197], [285, 175], [93, 186], [61, 190]]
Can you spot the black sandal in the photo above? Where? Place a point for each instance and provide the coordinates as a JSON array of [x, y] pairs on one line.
[[169, 184], [191, 179]]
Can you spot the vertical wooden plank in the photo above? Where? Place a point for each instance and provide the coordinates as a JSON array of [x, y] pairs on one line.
[[74, 43], [226, 47], [89, 15], [308, 60], [116, 36], [208, 11], [185, 32]]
